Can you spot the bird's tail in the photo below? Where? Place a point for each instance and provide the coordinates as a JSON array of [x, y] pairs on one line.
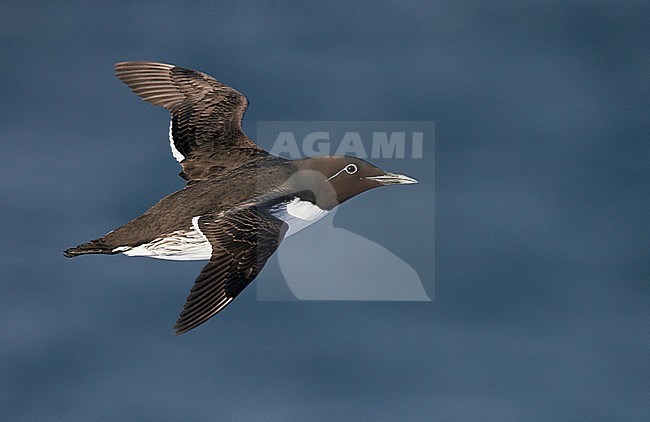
[[96, 246]]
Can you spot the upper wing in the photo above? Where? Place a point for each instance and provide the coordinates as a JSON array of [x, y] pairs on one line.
[[242, 241], [205, 132]]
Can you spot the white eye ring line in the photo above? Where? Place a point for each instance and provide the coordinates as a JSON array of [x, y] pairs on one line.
[[354, 168], [345, 169]]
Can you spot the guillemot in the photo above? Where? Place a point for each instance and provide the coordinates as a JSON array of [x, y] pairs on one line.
[[239, 202]]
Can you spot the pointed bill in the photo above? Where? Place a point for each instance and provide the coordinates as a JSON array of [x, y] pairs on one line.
[[393, 179]]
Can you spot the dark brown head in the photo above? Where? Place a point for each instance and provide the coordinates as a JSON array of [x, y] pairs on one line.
[[349, 176]]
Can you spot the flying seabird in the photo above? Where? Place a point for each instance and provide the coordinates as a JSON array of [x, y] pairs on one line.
[[239, 202]]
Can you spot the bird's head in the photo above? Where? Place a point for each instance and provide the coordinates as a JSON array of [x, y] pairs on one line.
[[350, 176]]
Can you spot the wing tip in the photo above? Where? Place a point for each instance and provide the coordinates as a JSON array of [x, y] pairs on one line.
[[142, 64], [180, 328], [187, 322], [134, 67]]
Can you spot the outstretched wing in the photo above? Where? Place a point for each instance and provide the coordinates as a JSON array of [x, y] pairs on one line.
[[205, 131], [242, 241]]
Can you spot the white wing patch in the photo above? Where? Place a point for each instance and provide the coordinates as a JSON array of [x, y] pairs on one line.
[[298, 214], [175, 152], [181, 245]]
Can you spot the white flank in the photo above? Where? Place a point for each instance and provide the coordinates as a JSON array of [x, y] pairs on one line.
[[176, 153], [182, 245], [298, 214], [304, 210]]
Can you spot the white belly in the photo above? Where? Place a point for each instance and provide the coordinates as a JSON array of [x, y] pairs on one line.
[[182, 245], [298, 214]]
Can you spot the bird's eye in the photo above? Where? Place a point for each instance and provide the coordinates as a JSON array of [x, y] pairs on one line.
[[351, 169]]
